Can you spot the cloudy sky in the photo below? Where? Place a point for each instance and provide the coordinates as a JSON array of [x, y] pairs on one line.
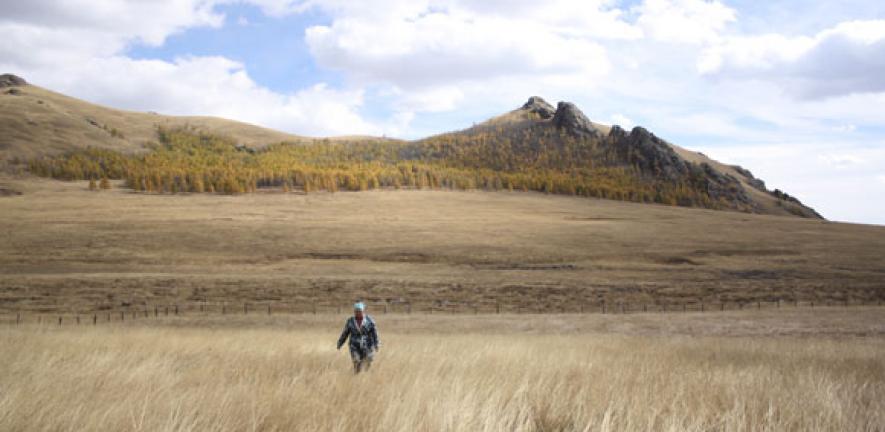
[[793, 90]]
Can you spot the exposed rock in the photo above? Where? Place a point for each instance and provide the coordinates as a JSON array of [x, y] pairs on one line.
[[13, 91], [10, 80], [539, 106], [753, 181], [721, 186], [617, 132], [570, 118], [650, 153]]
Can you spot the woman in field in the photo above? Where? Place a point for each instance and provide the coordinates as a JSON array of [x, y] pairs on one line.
[[360, 328]]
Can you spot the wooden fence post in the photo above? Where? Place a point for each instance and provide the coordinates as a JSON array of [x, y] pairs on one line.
[[166, 311], [409, 308], [109, 317], [497, 307], [702, 306], [223, 308], [94, 319], [176, 309], [245, 308], [314, 308], [758, 305], [18, 318], [385, 308], [683, 307], [156, 311], [268, 310], [122, 316], [78, 319], [722, 306], [59, 320]]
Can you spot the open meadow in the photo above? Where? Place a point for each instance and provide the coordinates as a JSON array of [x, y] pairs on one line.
[[786, 370], [92, 338], [67, 249]]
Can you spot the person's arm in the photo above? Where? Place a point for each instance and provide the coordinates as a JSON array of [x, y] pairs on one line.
[[374, 333], [344, 334]]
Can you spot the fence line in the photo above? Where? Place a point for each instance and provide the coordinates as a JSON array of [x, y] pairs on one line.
[[105, 314]]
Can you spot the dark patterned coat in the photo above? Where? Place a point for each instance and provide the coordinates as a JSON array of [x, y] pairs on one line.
[[362, 339]]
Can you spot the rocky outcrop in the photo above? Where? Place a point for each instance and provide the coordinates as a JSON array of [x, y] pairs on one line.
[[648, 152], [721, 186], [572, 120], [10, 80], [751, 180], [539, 106]]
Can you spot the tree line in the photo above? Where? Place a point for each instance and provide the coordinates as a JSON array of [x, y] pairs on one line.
[[532, 158]]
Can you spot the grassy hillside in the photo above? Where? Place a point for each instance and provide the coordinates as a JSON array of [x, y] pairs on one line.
[[37, 122], [534, 148], [67, 247], [532, 156]]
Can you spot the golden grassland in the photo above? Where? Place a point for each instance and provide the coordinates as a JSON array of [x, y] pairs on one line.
[[65, 248], [732, 371]]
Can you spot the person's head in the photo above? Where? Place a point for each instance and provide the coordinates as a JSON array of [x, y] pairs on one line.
[[358, 309]]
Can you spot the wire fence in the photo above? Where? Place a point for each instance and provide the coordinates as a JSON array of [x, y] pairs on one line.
[[105, 314]]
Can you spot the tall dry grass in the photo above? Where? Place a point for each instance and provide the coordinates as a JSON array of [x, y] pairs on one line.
[[234, 379]]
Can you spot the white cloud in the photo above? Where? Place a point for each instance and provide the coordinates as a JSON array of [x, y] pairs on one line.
[[111, 23], [841, 161], [684, 21], [434, 48], [622, 121], [75, 47], [845, 59], [850, 195]]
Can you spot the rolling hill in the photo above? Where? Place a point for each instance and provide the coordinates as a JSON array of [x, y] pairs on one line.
[[535, 147]]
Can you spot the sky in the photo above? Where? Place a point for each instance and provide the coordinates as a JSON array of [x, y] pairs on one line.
[[793, 90]]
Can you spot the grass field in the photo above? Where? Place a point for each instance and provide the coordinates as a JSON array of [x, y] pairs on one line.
[[733, 371], [68, 251], [66, 248]]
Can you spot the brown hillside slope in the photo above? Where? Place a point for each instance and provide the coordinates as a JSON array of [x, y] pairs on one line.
[[37, 122], [653, 156], [67, 247]]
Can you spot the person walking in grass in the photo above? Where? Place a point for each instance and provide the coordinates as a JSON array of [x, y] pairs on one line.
[[360, 328]]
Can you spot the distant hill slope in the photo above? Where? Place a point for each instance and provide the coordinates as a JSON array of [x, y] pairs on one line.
[[537, 134], [535, 147], [37, 122]]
